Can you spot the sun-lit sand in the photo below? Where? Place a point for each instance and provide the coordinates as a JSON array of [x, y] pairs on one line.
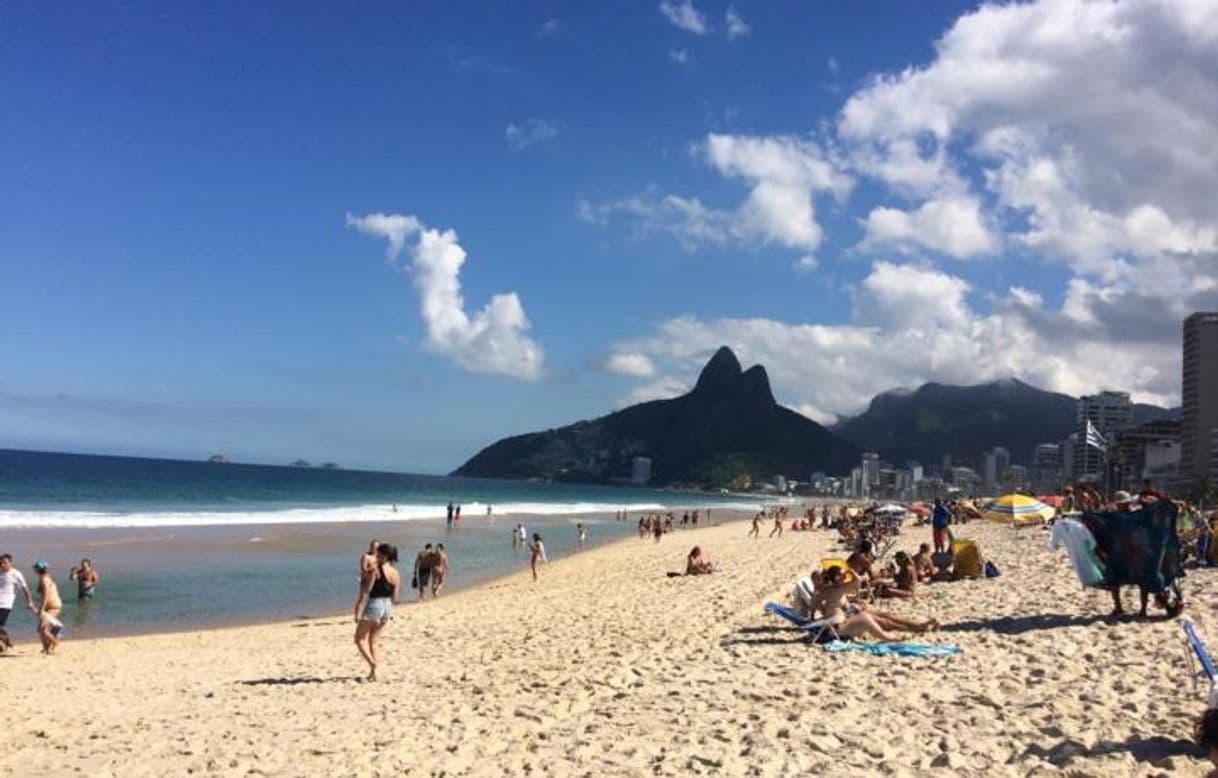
[[607, 667]]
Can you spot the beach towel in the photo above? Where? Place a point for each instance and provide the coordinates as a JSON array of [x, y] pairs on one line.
[[1140, 548], [895, 649]]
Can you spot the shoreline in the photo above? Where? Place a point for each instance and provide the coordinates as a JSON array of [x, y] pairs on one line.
[[606, 666], [136, 542]]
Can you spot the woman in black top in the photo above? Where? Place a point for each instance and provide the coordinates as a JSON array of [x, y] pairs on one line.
[[374, 608]]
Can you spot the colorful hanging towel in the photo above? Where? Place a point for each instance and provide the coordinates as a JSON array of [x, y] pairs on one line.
[[895, 649]]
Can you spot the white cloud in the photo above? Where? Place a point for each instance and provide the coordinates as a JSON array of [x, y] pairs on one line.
[[953, 226], [784, 175], [679, 56], [914, 323], [805, 264], [1092, 155], [683, 15], [550, 28], [493, 340], [529, 133], [630, 364], [736, 25]]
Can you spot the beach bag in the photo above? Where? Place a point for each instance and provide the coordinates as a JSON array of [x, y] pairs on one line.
[[991, 569], [414, 582]]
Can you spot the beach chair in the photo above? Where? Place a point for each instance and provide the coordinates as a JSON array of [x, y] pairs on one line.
[[820, 630], [1198, 655]]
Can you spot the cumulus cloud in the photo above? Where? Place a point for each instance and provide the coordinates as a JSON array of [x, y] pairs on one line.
[[679, 56], [529, 133], [784, 175], [630, 364], [953, 226], [1092, 157], [737, 27], [684, 16], [1070, 133], [493, 340], [913, 323]]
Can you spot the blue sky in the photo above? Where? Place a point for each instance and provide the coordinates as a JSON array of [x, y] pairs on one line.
[[187, 263]]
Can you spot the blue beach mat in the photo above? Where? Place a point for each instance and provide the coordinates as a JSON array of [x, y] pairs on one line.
[[895, 649]]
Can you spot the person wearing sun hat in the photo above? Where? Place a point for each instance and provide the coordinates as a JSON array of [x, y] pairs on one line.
[[50, 628]]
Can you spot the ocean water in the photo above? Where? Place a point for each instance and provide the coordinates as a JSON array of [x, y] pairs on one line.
[[183, 545]]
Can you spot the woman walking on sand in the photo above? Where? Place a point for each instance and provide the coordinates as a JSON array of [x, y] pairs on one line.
[[539, 553], [374, 608]]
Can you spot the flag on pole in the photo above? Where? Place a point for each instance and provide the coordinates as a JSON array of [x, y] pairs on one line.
[[1094, 438]]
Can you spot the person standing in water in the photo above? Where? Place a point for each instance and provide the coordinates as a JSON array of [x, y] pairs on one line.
[[539, 554], [374, 608], [86, 578], [439, 569], [582, 533], [457, 516], [522, 536], [449, 521], [422, 569]]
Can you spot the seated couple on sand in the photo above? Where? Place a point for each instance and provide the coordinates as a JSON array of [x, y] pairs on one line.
[[895, 581], [830, 595]]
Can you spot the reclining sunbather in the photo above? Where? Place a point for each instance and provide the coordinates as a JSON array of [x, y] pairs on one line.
[[859, 621]]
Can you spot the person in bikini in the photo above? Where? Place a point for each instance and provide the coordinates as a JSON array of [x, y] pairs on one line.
[[49, 607], [367, 560], [924, 564], [859, 621], [697, 564]]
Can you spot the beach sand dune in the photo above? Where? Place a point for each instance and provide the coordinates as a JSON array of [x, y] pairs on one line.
[[608, 667]]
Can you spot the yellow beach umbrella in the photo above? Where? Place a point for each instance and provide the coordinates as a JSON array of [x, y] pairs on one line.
[[1017, 509]]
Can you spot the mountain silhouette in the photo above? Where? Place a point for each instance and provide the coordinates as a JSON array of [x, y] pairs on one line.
[[727, 426], [965, 421]]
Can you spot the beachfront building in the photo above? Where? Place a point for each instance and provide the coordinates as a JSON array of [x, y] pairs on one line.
[[871, 472], [1128, 456], [1199, 391], [965, 479], [1046, 474], [1107, 413], [640, 471], [1016, 479], [995, 464]]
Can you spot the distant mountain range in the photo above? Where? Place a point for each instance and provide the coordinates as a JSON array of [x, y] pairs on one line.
[[728, 426], [966, 421]]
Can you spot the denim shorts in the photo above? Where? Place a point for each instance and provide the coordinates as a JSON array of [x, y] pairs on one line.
[[378, 609]]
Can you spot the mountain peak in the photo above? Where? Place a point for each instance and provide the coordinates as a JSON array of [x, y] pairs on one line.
[[721, 372]]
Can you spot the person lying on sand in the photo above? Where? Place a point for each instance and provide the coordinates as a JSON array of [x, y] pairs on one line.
[[924, 564], [697, 564], [860, 621]]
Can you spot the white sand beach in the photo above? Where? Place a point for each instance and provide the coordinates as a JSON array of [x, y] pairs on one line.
[[607, 667]]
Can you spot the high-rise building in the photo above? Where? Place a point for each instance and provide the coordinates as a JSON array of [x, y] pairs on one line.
[[1106, 413], [871, 472], [1199, 390], [1046, 468], [995, 463]]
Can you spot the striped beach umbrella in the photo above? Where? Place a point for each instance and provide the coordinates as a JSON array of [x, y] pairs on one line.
[[1017, 509]]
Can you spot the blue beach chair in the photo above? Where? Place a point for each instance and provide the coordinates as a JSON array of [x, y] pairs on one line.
[[821, 630], [1197, 654]]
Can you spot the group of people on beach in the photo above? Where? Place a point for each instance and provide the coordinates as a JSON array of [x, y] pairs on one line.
[[49, 606]]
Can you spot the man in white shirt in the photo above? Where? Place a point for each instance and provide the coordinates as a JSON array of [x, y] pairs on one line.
[[11, 580]]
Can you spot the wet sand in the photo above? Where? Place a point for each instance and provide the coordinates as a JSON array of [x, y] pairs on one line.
[[608, 667]]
